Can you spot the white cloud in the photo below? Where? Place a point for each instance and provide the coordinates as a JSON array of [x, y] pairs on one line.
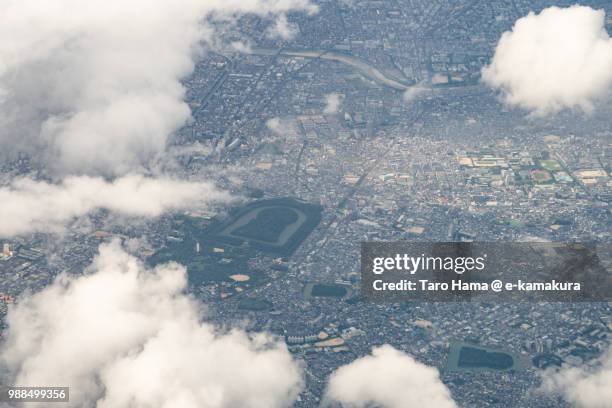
[[282, 28], [558, 59], [241, 46], [194, 149], [332, 103], [583, 387], [124, 336], [37, 206], [274, 124], [94, 88], [282, 127], [414, 92], [96, 85], [388, 378]]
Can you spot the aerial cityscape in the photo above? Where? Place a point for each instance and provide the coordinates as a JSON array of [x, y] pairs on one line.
[[185, 191]]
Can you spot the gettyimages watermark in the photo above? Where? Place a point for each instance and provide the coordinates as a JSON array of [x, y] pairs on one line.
[[486, 271]]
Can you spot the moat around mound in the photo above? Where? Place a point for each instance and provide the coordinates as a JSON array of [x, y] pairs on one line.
[[276, 226], [218, 250]]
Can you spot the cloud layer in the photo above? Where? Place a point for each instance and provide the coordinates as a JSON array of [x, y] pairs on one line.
[[123, 336], [584, 388], [282, 29], [332, 103], [95, 86], [390, 379], [557, 59], [36, 206], [414, 92]]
